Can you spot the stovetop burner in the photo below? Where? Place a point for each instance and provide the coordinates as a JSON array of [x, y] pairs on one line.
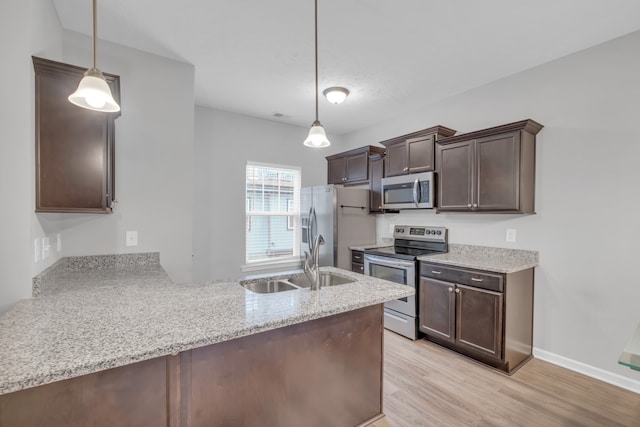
[[411, 242]]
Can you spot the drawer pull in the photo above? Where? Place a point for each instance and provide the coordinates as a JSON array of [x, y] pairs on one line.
[[477, 280], [436, 272]]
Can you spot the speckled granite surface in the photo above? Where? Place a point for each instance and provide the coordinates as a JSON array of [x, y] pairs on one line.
[[110, 317], [54, 279], [365, 247], [500, 260]]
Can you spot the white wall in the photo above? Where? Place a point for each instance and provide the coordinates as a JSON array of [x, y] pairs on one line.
[[224, 142], [587, 289], [154, 154], [26, 28]]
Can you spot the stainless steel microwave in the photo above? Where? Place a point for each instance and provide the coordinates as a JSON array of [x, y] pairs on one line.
[[413, 191]]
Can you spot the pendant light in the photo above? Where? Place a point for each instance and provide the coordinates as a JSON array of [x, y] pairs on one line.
[[93, 91], [317, 138]]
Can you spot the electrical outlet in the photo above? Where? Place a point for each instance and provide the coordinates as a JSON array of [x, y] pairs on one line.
[[131, 238], [36, 247], [511, 235], [45, 248]]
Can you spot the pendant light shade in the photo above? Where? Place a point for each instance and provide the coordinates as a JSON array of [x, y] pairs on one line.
[[317, 138], [93, 91]]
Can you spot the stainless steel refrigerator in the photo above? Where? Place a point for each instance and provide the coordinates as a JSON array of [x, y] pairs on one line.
[[342, 216]]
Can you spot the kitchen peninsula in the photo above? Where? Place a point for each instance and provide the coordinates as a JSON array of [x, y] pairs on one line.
[[110, 340]]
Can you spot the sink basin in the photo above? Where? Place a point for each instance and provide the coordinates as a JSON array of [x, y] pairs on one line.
[[282, 284], [326, 279], [269, 286]]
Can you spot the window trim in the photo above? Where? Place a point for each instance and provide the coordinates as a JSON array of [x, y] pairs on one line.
[[278, 261]]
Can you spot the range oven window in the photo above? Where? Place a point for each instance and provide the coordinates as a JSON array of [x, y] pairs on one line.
[[397, 275]]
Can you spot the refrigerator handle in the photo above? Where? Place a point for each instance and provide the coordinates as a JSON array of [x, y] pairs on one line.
[[310, 228]]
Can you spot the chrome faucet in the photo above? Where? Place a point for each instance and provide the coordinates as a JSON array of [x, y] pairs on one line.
[[313, 271]]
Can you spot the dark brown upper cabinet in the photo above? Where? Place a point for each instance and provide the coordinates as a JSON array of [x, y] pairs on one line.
[[376, 173], [491, 170], [351, 167], [414, 152], [74, 146]]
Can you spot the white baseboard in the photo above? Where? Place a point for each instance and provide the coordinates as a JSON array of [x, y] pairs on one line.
[[591, 371]]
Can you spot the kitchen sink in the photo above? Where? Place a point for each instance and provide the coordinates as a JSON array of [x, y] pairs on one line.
[[326, 279], [264, 286], [282, 284]]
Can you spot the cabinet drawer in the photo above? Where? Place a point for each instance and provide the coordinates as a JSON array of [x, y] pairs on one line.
[[357, 267], [483, 280], [357, 256]]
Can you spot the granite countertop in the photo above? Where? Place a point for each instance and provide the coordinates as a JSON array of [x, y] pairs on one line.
[[112, 314], [371, 246], [499, 260]]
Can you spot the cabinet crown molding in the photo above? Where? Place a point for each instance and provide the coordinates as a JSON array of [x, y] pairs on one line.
[[439, 131], [530, 126]]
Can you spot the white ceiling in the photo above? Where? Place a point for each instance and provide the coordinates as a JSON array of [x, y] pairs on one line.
[[256, 57]]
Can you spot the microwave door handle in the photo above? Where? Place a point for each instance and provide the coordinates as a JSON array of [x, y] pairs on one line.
[[416, 183]]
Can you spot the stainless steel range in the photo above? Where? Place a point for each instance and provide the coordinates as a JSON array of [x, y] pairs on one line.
[[398, 263]]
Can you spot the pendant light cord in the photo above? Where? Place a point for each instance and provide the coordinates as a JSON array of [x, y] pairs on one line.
[[316, 27], [95, 26]]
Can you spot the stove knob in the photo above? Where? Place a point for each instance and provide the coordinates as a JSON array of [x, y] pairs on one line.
[[431, 232], [438, 232]]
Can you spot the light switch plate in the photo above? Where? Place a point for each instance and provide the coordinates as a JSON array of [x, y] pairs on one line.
[[131, 238], [511, 235], [58, 242]]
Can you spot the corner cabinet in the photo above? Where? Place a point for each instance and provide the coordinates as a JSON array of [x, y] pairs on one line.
[[414, 152], [351, 167], [74, 146], [484, 315], [491, 170]]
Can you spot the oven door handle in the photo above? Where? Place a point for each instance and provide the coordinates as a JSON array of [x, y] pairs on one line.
[[388, 262]]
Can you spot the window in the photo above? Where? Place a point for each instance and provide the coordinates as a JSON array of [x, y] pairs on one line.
[[272, 213]]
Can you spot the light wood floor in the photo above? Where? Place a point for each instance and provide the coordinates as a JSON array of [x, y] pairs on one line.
[[427, 385]]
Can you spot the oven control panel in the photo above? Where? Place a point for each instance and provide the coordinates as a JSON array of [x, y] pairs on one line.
[[415, 232]]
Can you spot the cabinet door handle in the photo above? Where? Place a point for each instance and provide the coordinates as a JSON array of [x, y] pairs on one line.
[[475, 205], [450, 289], [436, 272], [405, 169], [457, 291], [469, 205], [477, 280]]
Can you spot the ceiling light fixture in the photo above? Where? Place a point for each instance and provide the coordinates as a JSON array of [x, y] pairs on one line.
[[317, 138], [93, 91], [336, 94]]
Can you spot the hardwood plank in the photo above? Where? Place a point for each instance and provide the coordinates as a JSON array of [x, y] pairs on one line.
[[429, 385]]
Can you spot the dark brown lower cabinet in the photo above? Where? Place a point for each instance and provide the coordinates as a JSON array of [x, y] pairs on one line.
[[485, 315], [325, 372], [357, 261]]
